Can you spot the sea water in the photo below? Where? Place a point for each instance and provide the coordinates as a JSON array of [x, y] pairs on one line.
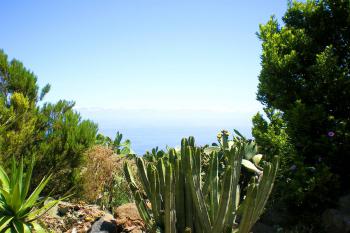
[[147, 129]]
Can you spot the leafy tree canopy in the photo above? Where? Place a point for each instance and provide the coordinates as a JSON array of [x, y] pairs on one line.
[[306, 74]]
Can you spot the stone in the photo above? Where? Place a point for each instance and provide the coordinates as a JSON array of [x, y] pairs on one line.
[[128, 219], [105, 224]]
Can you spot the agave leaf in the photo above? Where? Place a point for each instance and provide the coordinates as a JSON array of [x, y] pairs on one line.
[[38, 228], [32, 216], [4, 221], [6, 194], [257, 158], [250, 166], [10, 230], [21, 227], [34, 196], [4, 180], [28, 177], [16, 197], [13, 172]]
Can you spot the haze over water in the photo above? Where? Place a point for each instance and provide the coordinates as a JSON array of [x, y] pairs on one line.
[[150, 128]]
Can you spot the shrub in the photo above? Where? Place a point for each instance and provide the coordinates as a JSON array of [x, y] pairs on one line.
[[305, 75], [102, 181], [98, 172]]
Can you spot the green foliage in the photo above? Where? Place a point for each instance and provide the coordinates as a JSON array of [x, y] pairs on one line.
[[19, 211], [250, 161], [305, 85], [54, 132], [119, 147], [297, 183], [184, 199], [305, 74], [154, 155], [66, 138], [116, 193]]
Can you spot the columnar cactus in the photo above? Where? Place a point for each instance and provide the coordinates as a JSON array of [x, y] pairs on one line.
[[183, 199]]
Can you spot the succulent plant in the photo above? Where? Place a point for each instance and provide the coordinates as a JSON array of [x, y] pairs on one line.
[[176, 196], [19, 211]]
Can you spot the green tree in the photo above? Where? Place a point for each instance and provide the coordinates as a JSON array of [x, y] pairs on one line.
[[306, 75], [55, 133]]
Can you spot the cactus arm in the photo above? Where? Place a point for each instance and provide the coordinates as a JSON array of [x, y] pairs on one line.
[[169, 201], [233, 206], [260, 193], [197, 165], [180, 196], [140, 203], [265, 187], [213, 181], [225, 200], [143, 175], [154, 198], [188, 195], [197, 197], [161, 172], [144, 211], [189, 206], [248, 208], [191, 142]]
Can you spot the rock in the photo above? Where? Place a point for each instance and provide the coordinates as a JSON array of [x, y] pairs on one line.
[[53, 212], [62, 210], [69, 217], [105, 224], [335, 221], [128, 219]]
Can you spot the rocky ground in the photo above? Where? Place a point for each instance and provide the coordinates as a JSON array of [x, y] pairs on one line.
[[78, 218]]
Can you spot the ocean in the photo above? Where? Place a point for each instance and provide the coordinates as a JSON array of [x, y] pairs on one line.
[[145, 138], [148, 129]]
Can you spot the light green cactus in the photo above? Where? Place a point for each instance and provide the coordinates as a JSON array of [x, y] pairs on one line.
[[177, 197]]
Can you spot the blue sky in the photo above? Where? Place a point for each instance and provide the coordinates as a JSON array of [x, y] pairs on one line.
[[147, 61]]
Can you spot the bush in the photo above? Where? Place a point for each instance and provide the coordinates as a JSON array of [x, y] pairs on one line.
[[305, 76], [102, 181], [298, 186]]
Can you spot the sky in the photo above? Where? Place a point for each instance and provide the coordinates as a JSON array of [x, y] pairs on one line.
[[135, 62]]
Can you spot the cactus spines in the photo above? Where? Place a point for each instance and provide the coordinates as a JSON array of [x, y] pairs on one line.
[[183, 200]]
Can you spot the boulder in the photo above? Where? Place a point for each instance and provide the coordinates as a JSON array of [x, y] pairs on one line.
[[128, 219], [105, 224]]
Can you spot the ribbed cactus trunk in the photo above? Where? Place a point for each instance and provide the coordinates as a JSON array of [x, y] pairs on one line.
[[182, 199]]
